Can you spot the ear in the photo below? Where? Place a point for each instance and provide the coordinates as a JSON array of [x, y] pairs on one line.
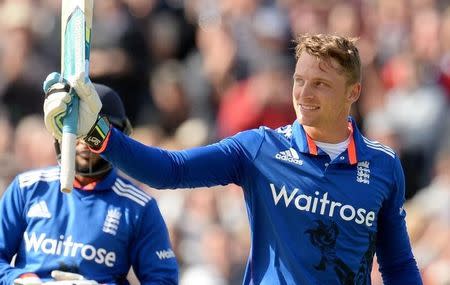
[[354, 92]]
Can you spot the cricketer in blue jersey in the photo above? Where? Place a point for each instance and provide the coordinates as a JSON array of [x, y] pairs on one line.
[[321, 198], [105, 226]]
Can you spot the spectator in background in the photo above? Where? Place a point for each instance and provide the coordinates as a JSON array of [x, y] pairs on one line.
[[33, 147], [218, 268], [119, 54], [6, 130], [444, 61], [9, 165], [429, 221], [305, 17], [425, 44], [8, 169], [429, 109], [390, 26], [209, 70], [22, 67], [258, 31], [169, 97], [343, 19], [262, 100]]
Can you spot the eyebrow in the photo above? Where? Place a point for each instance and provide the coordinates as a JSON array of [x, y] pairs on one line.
[[296, 75]]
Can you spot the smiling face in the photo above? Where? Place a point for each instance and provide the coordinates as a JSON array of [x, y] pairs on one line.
[[322, 97]]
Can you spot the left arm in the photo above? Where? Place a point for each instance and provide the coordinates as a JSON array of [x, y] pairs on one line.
[[397, 263], [152, 256]]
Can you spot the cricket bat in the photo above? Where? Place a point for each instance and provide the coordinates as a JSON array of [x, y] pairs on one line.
[[76, 25]]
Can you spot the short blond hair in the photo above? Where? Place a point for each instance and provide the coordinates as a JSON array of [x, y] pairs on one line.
[[326, 47]]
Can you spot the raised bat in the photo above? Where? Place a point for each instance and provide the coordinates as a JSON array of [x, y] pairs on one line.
[[76, 25]]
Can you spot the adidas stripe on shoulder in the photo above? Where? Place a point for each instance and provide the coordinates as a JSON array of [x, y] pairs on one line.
[[31, 177], [131, 192], [380, 147]]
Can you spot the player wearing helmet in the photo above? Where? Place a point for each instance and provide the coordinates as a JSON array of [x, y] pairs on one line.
[[93, 235], [88, 164]]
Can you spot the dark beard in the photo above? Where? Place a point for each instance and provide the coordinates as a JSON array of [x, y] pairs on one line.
[[93, 169]]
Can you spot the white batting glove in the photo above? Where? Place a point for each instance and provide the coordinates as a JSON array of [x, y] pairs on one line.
[[28, 279], [58, 98], [71, 282], [69, 278]]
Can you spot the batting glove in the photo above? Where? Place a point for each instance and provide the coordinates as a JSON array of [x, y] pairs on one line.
[[69, 278], [58, 98], [28, 279]]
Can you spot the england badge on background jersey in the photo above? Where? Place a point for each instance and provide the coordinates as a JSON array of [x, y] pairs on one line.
[[112, 220]]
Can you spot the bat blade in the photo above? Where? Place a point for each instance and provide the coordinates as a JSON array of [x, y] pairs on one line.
[[76, 25]]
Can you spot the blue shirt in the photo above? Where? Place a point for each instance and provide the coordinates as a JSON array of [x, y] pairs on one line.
[[98, 233], [313, 221]]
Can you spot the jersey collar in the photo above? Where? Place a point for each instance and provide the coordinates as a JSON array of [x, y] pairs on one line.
[[356, 150], [104, 184]]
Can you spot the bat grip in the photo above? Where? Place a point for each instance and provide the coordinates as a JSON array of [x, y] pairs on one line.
[[68, 144]]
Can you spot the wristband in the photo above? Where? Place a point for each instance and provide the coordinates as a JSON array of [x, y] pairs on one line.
[[97, 135]]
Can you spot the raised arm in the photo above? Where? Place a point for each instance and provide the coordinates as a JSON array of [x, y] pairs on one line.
[[217, 164]]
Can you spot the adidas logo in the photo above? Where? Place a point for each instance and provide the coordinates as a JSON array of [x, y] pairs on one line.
[[289, 155], [39, 210]]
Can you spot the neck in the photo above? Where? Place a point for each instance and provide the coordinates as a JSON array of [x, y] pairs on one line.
[[339, 132]]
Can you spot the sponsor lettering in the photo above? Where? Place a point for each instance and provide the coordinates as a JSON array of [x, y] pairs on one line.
[[165, 254], [66, 247], [322, 206], [288, 158]]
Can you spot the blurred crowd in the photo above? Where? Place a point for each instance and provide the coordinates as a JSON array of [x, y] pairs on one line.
[[192, 72]]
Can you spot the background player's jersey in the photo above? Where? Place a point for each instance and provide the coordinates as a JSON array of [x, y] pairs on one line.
[[98, 233], [313, 221]]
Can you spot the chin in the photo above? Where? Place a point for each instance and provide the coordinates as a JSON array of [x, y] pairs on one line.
[[305, 121], [82, 167], [82, 163]]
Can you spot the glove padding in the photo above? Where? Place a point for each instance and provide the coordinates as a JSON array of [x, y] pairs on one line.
[[28, 279], [58, 99], [69, 278]]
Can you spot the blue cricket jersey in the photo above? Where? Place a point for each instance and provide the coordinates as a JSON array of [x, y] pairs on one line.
[[98, 233], [313, 221]]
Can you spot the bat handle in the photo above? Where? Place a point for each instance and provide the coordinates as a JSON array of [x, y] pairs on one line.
[[68, 144]]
